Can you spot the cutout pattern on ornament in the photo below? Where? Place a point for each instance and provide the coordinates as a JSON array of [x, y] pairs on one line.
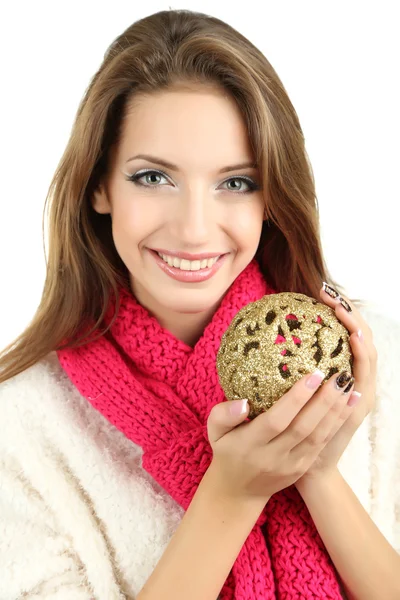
[[273, 342]]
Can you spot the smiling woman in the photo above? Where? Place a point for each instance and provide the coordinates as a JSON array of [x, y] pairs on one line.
[[189, 212], [174, 104], [184, 194]]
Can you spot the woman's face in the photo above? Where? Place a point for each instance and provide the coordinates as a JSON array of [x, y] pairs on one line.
[[197, 206]]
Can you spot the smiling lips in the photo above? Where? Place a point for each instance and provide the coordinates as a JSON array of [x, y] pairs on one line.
[[188, 265], [180, 268]]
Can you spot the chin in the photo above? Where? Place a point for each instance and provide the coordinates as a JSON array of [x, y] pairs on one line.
[[190, 305]]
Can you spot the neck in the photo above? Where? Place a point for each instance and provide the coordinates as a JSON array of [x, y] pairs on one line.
[[186, 327]]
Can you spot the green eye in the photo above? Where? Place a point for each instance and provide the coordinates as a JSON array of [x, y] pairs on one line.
[[136, 177]]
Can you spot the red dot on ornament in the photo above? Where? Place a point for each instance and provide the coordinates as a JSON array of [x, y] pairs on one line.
[[284, 368]]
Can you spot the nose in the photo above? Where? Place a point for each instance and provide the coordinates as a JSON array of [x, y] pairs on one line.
[[193, 219]]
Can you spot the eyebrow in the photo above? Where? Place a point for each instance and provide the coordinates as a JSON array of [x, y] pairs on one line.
[[168, 165]]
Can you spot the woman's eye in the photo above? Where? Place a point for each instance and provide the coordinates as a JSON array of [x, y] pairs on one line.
[[248, 182], [251, 184], [138, 176]]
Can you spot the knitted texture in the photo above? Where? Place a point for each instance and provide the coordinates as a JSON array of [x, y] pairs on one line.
[[159, 392]]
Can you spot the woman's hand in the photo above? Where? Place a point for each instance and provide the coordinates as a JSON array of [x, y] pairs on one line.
[[254, 460], [364, 371]]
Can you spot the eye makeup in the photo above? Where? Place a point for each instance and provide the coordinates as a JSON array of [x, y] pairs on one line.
[[135, 178]]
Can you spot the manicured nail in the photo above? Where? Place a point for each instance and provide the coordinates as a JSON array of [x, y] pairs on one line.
[[345, 305], [330, 290], [350, 385], [315, 379], [360, 335], [238, 407], [354, 398], [342, 380]]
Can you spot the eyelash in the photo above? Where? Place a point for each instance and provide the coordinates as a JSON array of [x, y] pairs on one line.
[[136, 176]]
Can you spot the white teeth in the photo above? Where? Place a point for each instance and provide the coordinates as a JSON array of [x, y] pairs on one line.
[[185, 265], [195, 265], [188, 265]]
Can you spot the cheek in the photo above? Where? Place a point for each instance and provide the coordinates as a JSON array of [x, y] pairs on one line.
[[134, 220], [245, 225]]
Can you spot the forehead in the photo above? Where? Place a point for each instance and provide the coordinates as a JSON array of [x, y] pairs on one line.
[[195, 129]]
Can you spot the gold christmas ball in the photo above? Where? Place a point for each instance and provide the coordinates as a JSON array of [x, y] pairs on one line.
[[273, 342]]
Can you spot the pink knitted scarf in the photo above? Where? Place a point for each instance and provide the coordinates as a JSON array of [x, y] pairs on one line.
[[159, 392]]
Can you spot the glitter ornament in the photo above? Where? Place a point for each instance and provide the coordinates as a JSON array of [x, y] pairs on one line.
[[273, 342]]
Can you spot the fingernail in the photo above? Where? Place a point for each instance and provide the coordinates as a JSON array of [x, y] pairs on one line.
[[360, 335], [315, 379], [351, 383], [354, 398], [345, 305], [342, 380], [238, 407], [330, 290]]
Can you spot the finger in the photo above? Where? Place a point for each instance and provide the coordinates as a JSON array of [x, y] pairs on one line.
[[362, 365], [345, 311], [334, 393], [331, 422], [328, 425], [224, 417], [273, 422], [343, 417], [353, 321]]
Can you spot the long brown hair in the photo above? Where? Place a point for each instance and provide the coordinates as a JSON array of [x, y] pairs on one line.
[[168, 48]]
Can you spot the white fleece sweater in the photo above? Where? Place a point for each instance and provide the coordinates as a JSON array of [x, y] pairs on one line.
[[80, 519]]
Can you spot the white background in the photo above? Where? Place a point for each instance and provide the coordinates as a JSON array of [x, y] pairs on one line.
[[339, 62]]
